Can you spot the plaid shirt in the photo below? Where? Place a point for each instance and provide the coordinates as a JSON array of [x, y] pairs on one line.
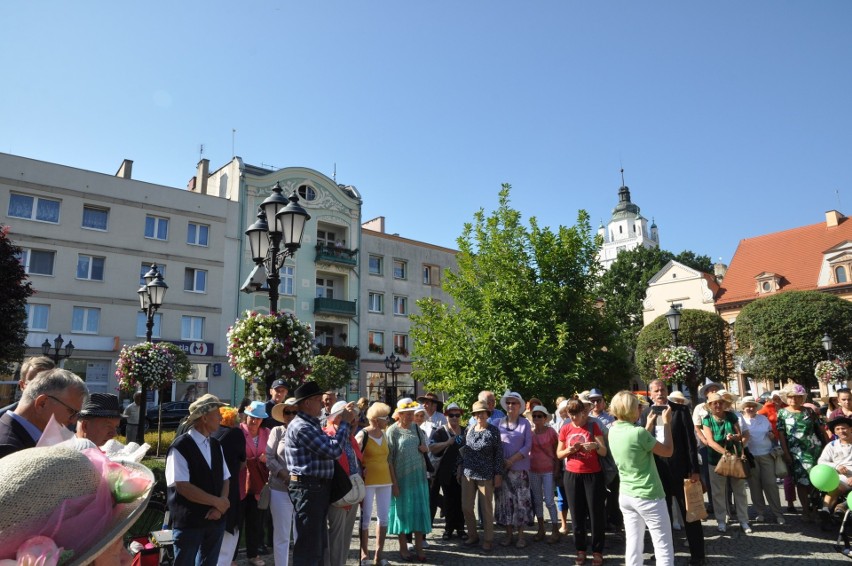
[[309, 451]]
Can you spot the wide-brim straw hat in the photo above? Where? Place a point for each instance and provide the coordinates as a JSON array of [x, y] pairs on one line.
[[793, 390], [480, 406], [35, 481], [407, 405], [748, 400], [703, 391], [511, 395], [678, 396], [713, 397], [278, 410], [433, 398]]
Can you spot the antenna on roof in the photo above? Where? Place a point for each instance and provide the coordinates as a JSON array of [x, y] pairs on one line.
[[233, 138], [334, 175], [200, 151]]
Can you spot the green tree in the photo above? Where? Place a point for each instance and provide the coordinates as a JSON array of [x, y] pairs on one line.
[[779, 336], [707, 332], [14, 290], [524, 314], [330, 372], [624, 284]]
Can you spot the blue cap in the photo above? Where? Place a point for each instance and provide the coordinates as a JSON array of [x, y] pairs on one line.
[[595, 393]]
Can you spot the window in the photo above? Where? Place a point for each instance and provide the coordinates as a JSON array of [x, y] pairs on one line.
[[192, 328], [37, 316], [90, 267], [196, 234], [376, 342], [37, 262], [307, 192], [400, 305], [195, 280], [34, 208], [85, 320], [142, 325], [146, 267], [840, 274], [325, 288], [156, 228], [431, 275], [376, 302], [400, 344], [376, 265], [326, 238], [95, 218], [286, 285], [400, 269]]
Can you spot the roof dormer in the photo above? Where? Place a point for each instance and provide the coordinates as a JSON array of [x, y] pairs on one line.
[[768, 283]]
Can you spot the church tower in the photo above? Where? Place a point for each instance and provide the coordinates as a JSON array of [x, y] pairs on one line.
[[627, 229]]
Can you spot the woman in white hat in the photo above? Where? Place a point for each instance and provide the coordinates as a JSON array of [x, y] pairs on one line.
[[761, 478], [253, 477], [513, 503], [409, 510]]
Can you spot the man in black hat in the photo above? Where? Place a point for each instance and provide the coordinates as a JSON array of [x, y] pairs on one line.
[[310, 454], [99, 418], [434, 409], [277, 394]]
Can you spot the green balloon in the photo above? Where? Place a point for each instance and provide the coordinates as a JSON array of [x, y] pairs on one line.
[[849, 501], [824, 477]]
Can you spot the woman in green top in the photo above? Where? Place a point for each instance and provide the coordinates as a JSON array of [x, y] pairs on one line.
[[642, 498]]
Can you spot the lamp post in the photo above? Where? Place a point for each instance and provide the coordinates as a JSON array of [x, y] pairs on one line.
[[56, 356], [151, 296], [826, 344], [266, 241], [673, 319], [392, 363]]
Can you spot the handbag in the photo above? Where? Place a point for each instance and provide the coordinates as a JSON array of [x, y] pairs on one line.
[[340, 482], [781, 470], [693, 495], [263, 500], [732, 466]]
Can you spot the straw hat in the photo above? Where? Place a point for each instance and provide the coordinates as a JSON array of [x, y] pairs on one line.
[[703, 391], [748, 400], [793, 390], [28, 506], [480, 406], [540, 409], [511, 395], [434, 399], [713, 397], [678, 397], [279, 408], [407, 404]]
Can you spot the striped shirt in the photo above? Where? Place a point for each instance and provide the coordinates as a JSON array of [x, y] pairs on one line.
[[309, 451]]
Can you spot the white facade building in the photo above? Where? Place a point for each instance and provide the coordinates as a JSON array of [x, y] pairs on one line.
[[626, 229]]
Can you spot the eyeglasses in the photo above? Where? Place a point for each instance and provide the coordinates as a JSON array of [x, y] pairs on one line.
[[512, 403], [72, 412], [454, 416], [291, 413]]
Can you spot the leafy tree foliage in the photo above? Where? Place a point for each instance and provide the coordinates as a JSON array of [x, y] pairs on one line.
[[524, 315], [624, 284], [707, 332], [330, 372], [779, 337], [14, 291]]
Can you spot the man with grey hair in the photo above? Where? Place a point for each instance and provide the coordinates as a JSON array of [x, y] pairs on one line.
[[488, 398], [56, 393], [28, 370]]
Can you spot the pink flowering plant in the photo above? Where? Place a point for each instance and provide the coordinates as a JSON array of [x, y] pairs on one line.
[[263, 344], [828, 371], [154, 365], [678, 364]]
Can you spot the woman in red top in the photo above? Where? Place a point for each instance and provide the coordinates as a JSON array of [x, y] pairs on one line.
[[581, 442]]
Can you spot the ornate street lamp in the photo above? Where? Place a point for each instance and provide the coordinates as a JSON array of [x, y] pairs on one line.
[[673, 319], [151, 296], [392, 363], [826, 344], [287, 229], [57, 347]]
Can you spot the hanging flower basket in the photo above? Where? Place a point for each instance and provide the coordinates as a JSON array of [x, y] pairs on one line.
[[152, 365], [831, 371], [264, 344], [678, 364]]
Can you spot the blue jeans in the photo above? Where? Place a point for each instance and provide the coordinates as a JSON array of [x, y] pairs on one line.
[[198, 547], [311, 499]]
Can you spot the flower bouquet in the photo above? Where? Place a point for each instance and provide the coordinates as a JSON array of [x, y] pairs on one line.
[[152, 365], [264, 344], [828, 371], [678, 364]]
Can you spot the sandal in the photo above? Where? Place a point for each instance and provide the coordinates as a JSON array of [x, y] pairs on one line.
[[581, 558], [471, 542], [522, 543], [597, 559]]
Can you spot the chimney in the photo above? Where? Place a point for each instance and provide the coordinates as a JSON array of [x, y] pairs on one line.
[[201, 176], [719, 271], [125, 170], [377, 224], [833, 218]]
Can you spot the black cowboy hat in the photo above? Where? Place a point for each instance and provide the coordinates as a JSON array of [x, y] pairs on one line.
[[307, 389]]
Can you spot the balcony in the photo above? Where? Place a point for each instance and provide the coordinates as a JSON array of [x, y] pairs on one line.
[[334, 306], [336, 255]]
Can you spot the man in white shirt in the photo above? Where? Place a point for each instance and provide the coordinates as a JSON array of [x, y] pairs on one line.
[[434, 410], [198, 483], [838, 455]]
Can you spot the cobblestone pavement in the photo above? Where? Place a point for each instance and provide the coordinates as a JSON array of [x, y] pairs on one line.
[[794, 543]]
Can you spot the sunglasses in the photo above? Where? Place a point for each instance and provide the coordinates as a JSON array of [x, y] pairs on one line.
[[454, 416], [538, 416], [512, 403], [291, 413], [381, 418]]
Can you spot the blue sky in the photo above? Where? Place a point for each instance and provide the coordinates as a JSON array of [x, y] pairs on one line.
[[731, 119]]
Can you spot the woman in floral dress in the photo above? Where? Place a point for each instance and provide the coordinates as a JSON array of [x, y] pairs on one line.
[[409, 509], [802, 437], [514, 507]]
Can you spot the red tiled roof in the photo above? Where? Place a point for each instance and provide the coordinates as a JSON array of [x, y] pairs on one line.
[[794, 255]]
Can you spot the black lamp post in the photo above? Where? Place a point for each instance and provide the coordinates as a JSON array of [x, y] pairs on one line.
[[266, 241], [56, 356], [151, 296], [392, 363], [673, 318], [826, 344]]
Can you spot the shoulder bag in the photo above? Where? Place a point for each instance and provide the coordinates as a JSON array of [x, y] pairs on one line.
[[608, 466], [430, 469]]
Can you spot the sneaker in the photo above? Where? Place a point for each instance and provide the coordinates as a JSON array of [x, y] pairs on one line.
[[746, 528], [781, 520], [759, 518], [722, 527]]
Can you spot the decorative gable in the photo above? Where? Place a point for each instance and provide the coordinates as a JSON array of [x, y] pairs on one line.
[[836, 267], [768, 283]]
